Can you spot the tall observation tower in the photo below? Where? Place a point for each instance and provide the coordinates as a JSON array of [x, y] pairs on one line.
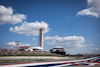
[[41, 37]]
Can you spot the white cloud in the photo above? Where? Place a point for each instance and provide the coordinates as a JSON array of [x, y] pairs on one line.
[[69, 41], [92, 9], [95, 49], [31, 28], [88, 12], [7, 16], [24, 45], [90, 44], [33, 39], [13, 44], [69, 50]]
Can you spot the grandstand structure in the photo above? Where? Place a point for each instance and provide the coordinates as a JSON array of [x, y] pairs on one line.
[[58, 50]]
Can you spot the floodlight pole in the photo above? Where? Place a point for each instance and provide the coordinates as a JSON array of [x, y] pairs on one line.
[[17, 43]]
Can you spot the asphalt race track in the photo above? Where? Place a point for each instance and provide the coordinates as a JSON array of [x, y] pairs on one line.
[[90, 62]]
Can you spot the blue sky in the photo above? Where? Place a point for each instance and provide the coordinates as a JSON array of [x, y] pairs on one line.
[[73, 24]]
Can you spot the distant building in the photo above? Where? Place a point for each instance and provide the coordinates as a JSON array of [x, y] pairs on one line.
[[22, 48], [34, 49], [30, 48], [58, 50]]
